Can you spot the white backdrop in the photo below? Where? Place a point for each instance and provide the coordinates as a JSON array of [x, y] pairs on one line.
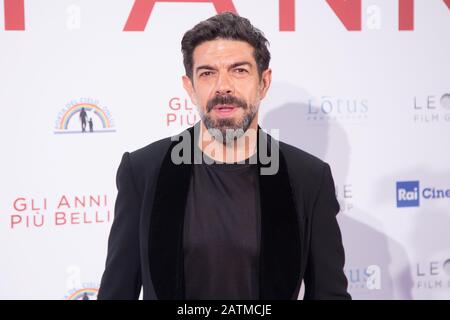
[[373, 101]]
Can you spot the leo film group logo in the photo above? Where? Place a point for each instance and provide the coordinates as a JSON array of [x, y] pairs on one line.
[[431, 109]]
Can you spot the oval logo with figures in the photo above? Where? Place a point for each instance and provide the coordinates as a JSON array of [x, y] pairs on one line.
[[86, 293], [84, 116]]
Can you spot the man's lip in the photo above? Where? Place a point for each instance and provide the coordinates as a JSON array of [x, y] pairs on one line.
[[222, 106]]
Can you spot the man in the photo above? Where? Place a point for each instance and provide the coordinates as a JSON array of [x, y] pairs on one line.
[[83, 116], [252, 220]]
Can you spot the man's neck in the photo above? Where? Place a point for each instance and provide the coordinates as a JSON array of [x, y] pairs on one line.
[[238, 150]]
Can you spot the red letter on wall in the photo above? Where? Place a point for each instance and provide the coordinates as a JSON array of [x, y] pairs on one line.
[[406, 15], [142, 9], [287, 15], [349, 12], [447, 2], [14, 15]]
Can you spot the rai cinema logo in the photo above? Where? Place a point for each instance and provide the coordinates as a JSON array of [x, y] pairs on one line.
[[84, 116]]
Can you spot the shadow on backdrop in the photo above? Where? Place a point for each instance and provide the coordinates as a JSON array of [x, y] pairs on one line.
[[287, 108]]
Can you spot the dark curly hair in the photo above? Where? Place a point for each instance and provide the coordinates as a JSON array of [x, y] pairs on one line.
[[226, 25]]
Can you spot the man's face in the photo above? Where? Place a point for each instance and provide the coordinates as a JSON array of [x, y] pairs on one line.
[[226, 86]]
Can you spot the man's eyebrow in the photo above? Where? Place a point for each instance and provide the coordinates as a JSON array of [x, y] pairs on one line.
[[205, 66], [234, 65], [241, 63]]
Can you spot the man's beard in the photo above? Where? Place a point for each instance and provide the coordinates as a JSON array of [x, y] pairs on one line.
[[226, 130]]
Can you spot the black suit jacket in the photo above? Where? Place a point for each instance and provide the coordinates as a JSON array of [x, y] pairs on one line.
[[300, 237]]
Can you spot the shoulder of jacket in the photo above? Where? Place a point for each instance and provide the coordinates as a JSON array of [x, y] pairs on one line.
[[300, 160], [145, 162], [306, 172], [151, 151]]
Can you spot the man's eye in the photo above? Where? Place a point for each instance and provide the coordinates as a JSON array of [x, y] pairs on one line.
[[205, 74], [241, 70]]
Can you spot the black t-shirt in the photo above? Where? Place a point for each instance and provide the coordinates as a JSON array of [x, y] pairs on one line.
[[222, 231]]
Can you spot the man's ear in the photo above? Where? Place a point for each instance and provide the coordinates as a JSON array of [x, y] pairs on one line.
[[189, 87], [266, 80]]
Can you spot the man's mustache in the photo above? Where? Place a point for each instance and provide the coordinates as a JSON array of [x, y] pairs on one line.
[[225, 99]]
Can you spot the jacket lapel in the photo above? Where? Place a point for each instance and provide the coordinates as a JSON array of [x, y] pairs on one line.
[[280, 254], [280, 238], [166, 227]]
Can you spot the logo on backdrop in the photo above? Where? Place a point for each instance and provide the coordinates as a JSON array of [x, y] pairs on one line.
[[65, 210], [84, 116], [76, 289], [409, 194], [431, 275], [432, 109], [364, 278], [87, 292], [331, 109], [181, 113], [344, 195]]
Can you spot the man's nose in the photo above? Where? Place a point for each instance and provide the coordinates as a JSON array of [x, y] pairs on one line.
[[224, 85]]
